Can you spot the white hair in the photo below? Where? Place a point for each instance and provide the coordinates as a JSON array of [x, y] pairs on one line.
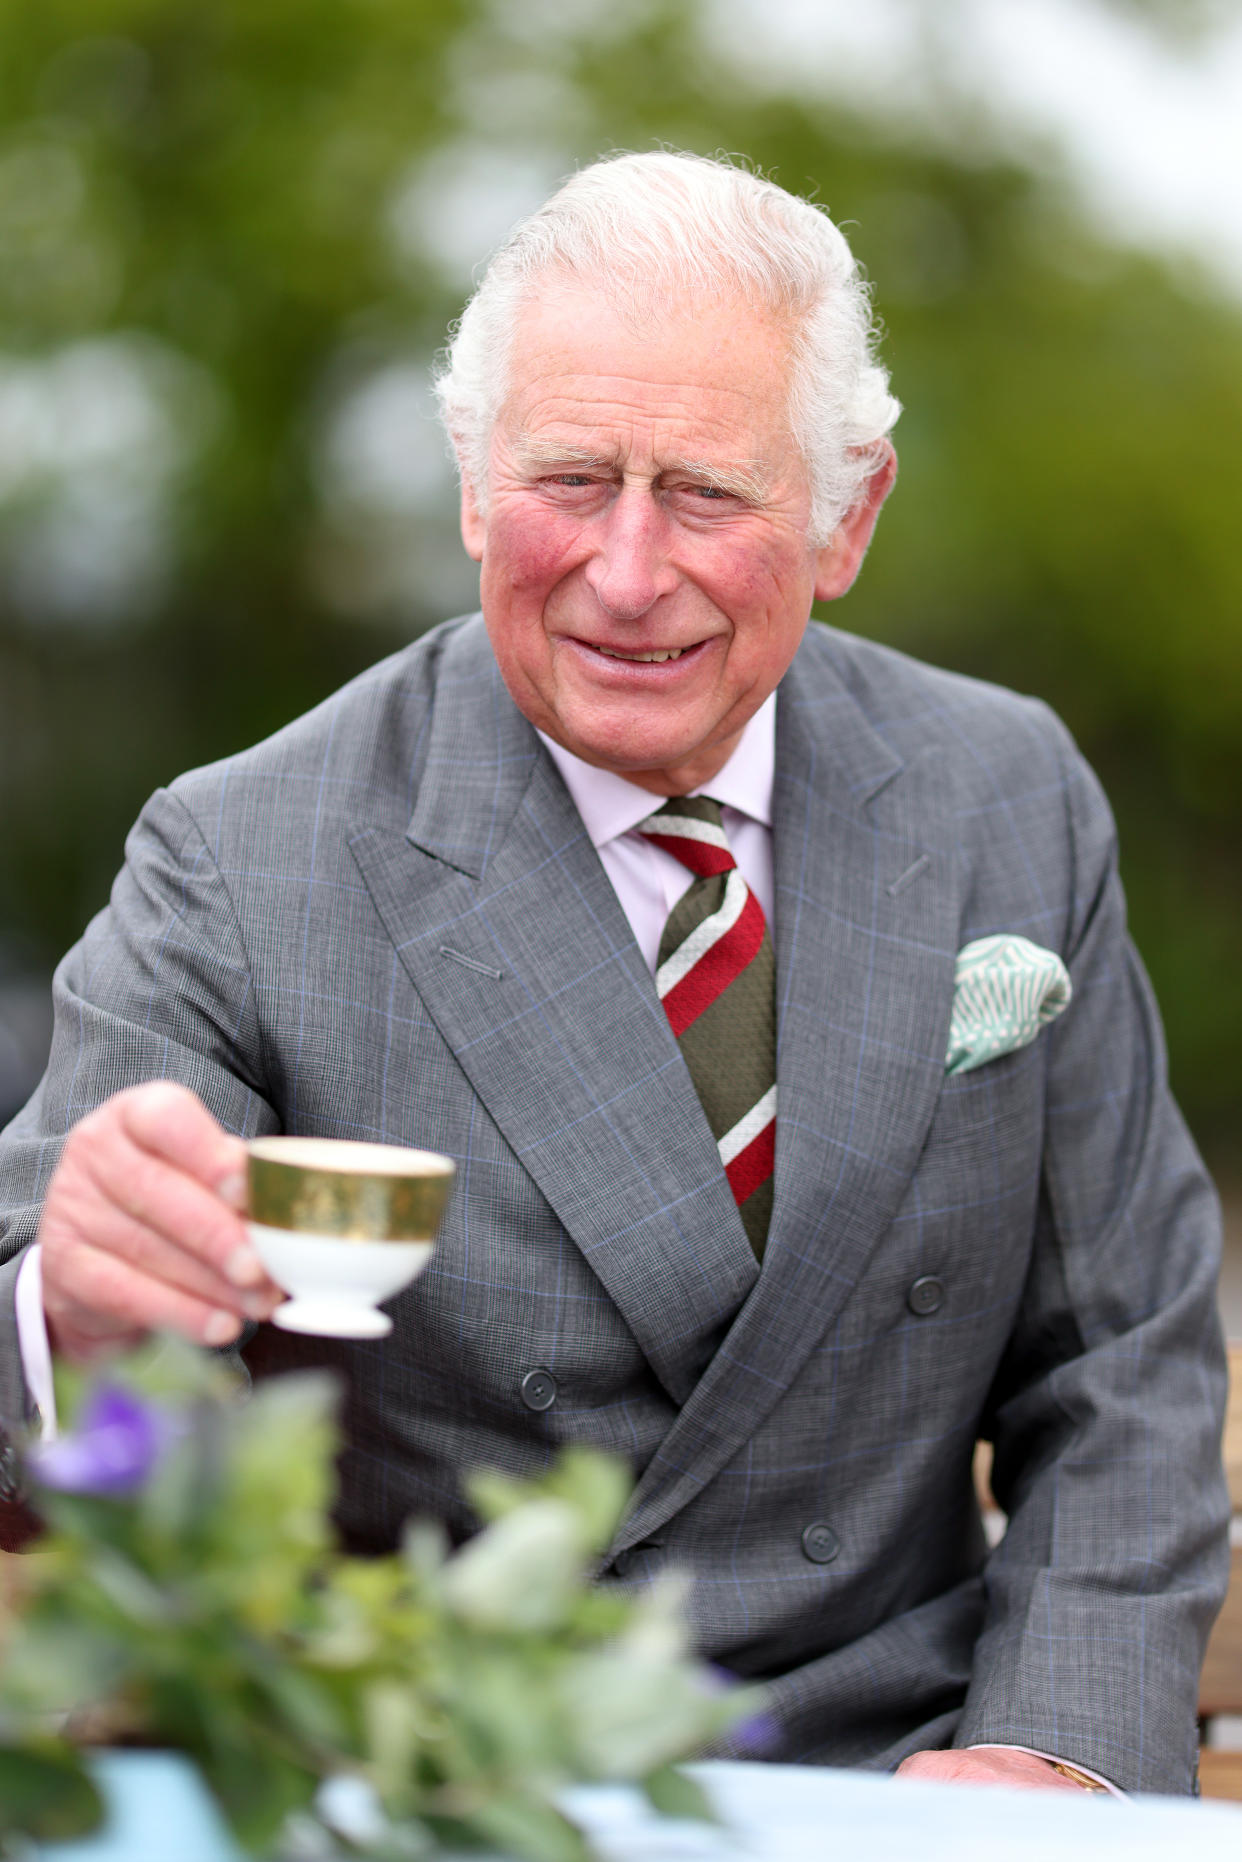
[[672, 226]]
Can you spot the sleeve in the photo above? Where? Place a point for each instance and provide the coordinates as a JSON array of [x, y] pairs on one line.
[[1053, 1758], [159, 988], [33, 1341], [1107, 1408]]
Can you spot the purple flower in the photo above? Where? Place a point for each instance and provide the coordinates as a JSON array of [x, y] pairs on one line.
[[757, 1734], [112, 1451]]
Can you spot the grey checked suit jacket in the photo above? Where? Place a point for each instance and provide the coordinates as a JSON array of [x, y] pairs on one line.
[[388, 923]]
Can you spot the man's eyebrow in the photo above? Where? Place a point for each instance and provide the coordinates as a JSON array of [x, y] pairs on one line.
[[559, 452], [744, 480]]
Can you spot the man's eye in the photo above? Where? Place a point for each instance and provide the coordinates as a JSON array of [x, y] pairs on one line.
[[704, 494], [574, 480]]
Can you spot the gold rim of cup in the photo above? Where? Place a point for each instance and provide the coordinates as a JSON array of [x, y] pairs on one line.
[[347, 1190]]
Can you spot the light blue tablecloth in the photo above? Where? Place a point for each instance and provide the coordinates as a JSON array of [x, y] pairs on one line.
[[771, 1813], [784, 1813]]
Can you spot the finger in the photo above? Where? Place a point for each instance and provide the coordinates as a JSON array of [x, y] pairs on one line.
[[162, 1201], [82, 1213], [170, 1121], [111, 1193], [173, 1123], [112, 1301]]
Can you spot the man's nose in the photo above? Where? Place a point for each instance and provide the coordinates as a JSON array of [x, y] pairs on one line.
[[629, 568]]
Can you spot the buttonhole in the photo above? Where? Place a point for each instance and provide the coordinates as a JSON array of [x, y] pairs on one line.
[[470, 963], [909, 876]]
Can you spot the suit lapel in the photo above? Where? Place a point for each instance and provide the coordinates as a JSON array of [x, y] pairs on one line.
[[866, 922], [514, 939]]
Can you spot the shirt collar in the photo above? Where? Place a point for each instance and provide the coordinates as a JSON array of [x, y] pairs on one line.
[[610, 806]]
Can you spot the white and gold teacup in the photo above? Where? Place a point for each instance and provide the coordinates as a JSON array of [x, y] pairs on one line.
[[343, 1225]]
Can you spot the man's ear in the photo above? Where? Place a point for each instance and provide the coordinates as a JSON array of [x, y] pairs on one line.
[[473, 523], [840, 559]]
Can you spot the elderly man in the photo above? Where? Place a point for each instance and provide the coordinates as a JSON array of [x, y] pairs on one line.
[[728, 1205]]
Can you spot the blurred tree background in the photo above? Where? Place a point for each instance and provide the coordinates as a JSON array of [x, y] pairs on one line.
[[231, 238]]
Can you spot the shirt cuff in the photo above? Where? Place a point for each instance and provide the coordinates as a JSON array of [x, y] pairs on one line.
[[32, 1339], [1053, 1758]]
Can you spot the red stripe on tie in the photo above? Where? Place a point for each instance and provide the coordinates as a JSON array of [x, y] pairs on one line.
[[703, 859], [754, 1165], [716, 968]]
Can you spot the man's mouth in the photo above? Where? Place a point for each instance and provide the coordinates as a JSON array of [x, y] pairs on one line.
[[644, 659]]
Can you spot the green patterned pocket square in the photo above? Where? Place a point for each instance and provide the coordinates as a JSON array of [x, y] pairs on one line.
[[1005, 990]]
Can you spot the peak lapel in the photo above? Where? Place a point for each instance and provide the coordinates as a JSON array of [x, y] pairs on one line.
[[866, 920], [546, 1002]]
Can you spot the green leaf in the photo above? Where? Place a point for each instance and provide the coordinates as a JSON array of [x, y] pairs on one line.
[[165, 1370], [54, 1659], [256, 1789], [393, 1731], [425, 1546], [595, 1487], [305, 1704], [138, 1597], [521, 1572], [280, 1482], [674, 1794], [46, 1793], [526, 1828]]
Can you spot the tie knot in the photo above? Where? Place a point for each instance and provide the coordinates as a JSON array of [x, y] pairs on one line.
[[689, 827]]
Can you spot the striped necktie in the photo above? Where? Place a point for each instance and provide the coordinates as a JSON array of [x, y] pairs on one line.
[[717, 981]]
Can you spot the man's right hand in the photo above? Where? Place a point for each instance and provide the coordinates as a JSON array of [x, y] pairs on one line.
[[141, 1228]]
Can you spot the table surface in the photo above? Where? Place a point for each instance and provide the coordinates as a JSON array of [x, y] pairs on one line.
[[769, 1813], [784, 1813]]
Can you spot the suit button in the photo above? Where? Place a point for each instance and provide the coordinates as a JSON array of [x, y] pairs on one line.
[[926, 1295], [538, 1389], [820, 1543]]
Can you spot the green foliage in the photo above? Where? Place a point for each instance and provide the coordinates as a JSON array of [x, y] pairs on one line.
[[243, 190], [209, 1611], [45, 1794]]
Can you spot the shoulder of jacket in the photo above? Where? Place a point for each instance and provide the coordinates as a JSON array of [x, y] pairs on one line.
[[915, 705]]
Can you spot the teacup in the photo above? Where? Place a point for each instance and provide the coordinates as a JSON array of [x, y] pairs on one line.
[[343, 1225]]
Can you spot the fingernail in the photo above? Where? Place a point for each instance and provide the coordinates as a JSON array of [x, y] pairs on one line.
[[243, 1268], [232, 1190], [221, 1329], [259, 1305]]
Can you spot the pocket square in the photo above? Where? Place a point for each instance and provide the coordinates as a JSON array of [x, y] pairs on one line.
[[1005, 990]]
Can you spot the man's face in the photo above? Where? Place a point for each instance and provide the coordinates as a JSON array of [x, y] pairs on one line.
[[646, 576]]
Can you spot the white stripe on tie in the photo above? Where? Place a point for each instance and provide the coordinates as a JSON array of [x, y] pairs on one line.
[[701, 939], [748, 1127], [685, 827]]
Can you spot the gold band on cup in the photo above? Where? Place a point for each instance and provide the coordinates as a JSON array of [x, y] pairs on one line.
[[349, 1191]]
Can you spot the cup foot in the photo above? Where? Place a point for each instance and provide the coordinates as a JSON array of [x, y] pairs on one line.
[[324, 1321]]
